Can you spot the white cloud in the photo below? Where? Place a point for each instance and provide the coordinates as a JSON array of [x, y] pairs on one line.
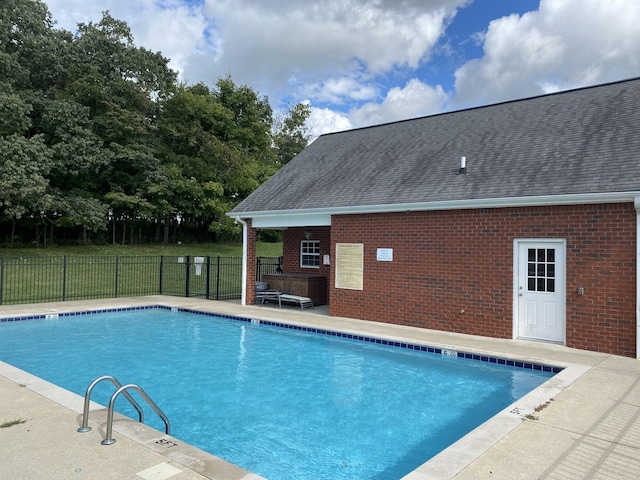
[[415, 99], [330, 51], [324, 120], [565, 44], [351, 58], [190, 33], [340, 90], [172, 27], [287, 45]]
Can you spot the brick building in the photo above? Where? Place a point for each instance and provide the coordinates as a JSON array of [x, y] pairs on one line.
[[514, 220]]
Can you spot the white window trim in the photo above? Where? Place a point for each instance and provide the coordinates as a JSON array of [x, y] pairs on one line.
[[310, 255]]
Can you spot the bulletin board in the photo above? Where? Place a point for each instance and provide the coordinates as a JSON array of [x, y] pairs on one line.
[[349, 266]]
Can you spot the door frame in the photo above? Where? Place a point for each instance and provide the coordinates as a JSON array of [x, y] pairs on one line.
[[562, 288]]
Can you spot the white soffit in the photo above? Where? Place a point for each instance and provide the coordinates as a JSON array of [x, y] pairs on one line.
[[292, 220]]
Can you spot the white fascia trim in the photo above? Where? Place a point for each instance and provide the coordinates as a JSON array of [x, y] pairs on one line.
[[322, 216]]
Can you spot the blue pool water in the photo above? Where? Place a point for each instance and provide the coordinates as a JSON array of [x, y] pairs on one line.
[[283, 403]]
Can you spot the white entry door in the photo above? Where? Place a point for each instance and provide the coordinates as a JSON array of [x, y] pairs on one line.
[[541, 290]]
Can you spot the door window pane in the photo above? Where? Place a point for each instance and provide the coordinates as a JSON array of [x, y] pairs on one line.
[[541, 270]]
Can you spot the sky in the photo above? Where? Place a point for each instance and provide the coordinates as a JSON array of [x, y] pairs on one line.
[[358, 63]]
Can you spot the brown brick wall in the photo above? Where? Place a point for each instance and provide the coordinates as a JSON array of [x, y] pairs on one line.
[[251, 263], [291, 251], [448, 261]]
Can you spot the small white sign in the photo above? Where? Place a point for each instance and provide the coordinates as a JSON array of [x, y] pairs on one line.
[[198, 261], [385, 255], [326, 260]]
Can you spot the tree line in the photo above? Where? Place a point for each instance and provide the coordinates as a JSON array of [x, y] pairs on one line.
[[100, 141]]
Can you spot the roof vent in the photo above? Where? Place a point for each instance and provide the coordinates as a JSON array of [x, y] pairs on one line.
[[463, 165]]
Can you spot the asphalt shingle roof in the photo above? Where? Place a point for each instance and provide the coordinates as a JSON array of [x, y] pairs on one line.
[[581, 141]]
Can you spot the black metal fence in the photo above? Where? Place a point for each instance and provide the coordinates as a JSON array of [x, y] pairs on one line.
[[52, 279]]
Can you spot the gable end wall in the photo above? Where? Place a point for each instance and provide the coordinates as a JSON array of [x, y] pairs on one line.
[[449, 262]]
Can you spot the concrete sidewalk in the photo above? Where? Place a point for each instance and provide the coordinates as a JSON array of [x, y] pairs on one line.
[[581, 424], [47, 446], [590, 430]]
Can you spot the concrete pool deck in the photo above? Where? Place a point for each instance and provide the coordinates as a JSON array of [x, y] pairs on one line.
[[583, 423]]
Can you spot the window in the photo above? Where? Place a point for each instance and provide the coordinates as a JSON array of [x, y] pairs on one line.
[[541, 270], [310, 253]]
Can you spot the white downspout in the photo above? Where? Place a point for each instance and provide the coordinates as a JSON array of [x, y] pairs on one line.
[[245, 236], [636, 204]]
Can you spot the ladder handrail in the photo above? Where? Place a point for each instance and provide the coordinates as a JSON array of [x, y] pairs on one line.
[[123, 389], [87, 398]]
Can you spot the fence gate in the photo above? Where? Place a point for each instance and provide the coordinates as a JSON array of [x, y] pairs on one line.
[[216, 278]]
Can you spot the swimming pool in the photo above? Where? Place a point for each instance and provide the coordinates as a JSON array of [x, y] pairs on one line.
[[399, 430]]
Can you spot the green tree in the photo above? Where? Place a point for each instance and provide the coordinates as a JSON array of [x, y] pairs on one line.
[[252, 116], [78, 158], [122, 86], [24, 166], [290, 135], [207, 166], [96, 131], [31, 61], [77, 208], [14, 112]]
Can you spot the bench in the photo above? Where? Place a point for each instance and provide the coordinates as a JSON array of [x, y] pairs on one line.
[[277, 296]]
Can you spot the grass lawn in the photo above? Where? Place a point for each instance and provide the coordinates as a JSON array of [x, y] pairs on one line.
[[204, 249]]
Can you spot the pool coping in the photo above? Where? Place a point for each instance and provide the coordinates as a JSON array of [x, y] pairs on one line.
[[444, 465]]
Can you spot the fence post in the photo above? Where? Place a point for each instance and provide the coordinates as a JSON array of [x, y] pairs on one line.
[[218, 279], [188, 276], [1, 276], [161, 272], [117, 274], [64, 278], [258, 265], [208, 288]]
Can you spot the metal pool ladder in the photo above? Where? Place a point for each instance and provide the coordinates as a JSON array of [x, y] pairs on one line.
[[121, 389]]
